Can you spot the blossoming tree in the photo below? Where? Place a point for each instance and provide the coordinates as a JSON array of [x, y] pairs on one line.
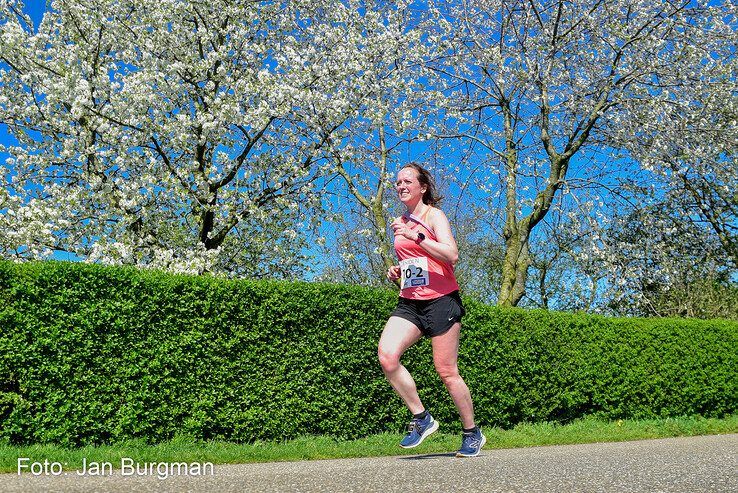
[[184, 135], [537, 84]]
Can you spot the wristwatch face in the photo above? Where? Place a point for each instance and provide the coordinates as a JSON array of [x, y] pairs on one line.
[[421, 237]]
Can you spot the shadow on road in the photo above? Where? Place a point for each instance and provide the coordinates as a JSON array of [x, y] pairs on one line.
[[428, 456]]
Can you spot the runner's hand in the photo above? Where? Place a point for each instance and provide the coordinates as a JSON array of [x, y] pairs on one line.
[[400, 229], [393, 272]]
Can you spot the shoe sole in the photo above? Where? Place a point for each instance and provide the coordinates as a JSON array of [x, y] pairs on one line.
[[484, 440], [425, 435]]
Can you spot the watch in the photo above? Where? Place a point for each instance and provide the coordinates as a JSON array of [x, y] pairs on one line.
[[421, 237]]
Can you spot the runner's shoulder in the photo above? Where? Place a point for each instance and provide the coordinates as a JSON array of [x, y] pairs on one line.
[[434, 213]]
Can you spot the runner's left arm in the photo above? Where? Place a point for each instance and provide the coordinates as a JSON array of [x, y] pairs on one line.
[[445, 249]]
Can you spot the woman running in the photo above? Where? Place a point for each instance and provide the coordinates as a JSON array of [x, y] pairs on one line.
[[429, 305]]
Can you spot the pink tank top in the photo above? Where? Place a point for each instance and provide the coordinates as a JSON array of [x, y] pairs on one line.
[[422, 277]]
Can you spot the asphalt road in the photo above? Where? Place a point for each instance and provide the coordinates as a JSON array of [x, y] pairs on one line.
[[689, 465]]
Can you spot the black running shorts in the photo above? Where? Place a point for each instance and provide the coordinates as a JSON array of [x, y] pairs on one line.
[[433, 317]]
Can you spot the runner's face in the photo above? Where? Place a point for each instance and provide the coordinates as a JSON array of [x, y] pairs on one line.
[[409, 189]]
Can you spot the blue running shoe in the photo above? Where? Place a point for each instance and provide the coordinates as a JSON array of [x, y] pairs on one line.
[[418, 430], [471, 444]]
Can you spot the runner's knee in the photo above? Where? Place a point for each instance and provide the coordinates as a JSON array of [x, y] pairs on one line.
[[390, 360], [448, 373]]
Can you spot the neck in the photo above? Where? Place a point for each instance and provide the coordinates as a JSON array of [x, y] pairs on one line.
[[418, 209]]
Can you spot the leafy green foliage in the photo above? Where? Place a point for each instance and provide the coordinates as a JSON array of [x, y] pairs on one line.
[[93, 355]]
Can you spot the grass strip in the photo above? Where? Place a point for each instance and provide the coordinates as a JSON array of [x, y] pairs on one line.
[[184, 449]]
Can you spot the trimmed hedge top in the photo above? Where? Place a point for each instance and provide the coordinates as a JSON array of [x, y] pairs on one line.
[[92, 354]]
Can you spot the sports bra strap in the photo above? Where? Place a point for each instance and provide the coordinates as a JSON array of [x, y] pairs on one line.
[[412, 217]]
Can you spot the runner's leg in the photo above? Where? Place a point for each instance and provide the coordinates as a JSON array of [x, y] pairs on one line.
[[445, 357], [398, 335]]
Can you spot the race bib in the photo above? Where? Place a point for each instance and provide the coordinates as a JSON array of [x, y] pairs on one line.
[[414, 272]]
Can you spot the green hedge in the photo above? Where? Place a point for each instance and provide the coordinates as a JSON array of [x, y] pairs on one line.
[[92, 354]]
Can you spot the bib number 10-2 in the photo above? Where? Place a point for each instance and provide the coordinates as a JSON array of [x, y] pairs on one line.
[[414, 272]]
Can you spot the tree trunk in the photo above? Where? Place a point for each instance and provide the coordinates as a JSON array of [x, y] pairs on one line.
[[380, 233], [517, 233], [514, 269]]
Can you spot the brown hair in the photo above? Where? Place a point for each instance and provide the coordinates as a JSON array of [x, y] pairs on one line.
[[430, 197]]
